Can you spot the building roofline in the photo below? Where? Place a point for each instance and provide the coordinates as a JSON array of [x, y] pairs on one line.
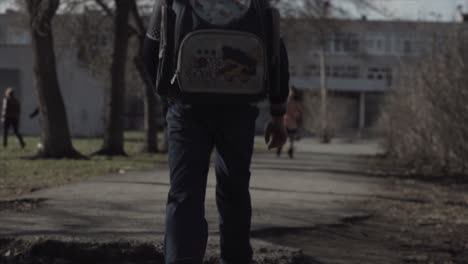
[[381, 21]]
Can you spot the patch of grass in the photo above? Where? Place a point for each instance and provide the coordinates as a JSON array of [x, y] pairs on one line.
[[19, 175]]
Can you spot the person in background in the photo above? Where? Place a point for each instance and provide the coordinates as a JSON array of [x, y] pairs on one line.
[[292, 119], [10, 116]]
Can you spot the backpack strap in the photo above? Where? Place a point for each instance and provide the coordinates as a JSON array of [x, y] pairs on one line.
[[173, 30], [181, 24], [275, 40], [269, 22], [260, 9], [180, 9], [166, 50]]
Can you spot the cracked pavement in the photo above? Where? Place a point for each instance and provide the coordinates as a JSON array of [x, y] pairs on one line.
[[311, 190]]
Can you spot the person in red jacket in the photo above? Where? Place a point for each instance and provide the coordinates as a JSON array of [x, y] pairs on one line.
[[292, 119], [10, 116]]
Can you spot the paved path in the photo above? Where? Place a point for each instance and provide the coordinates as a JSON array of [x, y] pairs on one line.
[[299, 193]]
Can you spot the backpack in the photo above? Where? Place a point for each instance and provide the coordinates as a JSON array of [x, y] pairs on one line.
[[223, 59], [12, 108]]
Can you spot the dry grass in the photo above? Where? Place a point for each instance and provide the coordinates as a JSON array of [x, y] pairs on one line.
[[18, 175]]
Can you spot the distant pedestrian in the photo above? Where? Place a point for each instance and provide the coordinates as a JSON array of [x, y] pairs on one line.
[[292, 119], [10, 116]]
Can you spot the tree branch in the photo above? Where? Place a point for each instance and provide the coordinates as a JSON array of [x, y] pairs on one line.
[[108, 11], [105, 8], [138, 20]]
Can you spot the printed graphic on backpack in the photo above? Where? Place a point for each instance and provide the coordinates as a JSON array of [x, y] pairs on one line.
[[222, 62]]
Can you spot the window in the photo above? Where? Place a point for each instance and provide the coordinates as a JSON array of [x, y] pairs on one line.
[[98, 40], [2, 35], [376, 44], [345, 72], [381, 74], [423, 46], [334, 71], [103, 41], [312, 71], [338, 71], [328, 71], [346, 43], [328, 44], [379, 44], [353, 72], [407, 47], [410, 45], [338, 44], [13, 36], [292, 71], [354, 45], [307, 71]]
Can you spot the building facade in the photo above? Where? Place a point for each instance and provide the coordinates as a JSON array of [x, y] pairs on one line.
[[83, 94], [363, 62]]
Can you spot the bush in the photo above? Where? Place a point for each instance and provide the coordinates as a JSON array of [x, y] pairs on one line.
[[425, 119]]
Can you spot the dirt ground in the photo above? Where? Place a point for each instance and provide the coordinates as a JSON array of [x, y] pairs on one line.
[[62, 250], [427, 223], [406, 220]]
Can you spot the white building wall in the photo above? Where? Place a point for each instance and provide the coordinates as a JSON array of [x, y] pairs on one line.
[[83, 94], [14, 57], [84, 97], [378, 48]]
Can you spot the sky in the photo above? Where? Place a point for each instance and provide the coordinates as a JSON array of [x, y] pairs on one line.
[[444, 10]]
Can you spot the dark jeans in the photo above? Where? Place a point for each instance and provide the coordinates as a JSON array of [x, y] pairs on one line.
[[193, 133], [9, 122]]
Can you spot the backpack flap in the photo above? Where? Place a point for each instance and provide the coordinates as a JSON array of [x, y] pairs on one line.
[[221, 13], [223, 62]]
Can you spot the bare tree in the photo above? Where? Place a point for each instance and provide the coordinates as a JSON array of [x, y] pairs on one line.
[[113, 144], [318, 18], [55, 131], [314, 8], [151, 101], [137, 29], [425, 121]]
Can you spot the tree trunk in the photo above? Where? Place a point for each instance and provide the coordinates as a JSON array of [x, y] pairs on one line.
[[151, 124], [151, 100], [55, 131], [151, 103], [113, 144], [324, 126]]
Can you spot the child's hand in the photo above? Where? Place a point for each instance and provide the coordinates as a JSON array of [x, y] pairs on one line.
[[275, 133]]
